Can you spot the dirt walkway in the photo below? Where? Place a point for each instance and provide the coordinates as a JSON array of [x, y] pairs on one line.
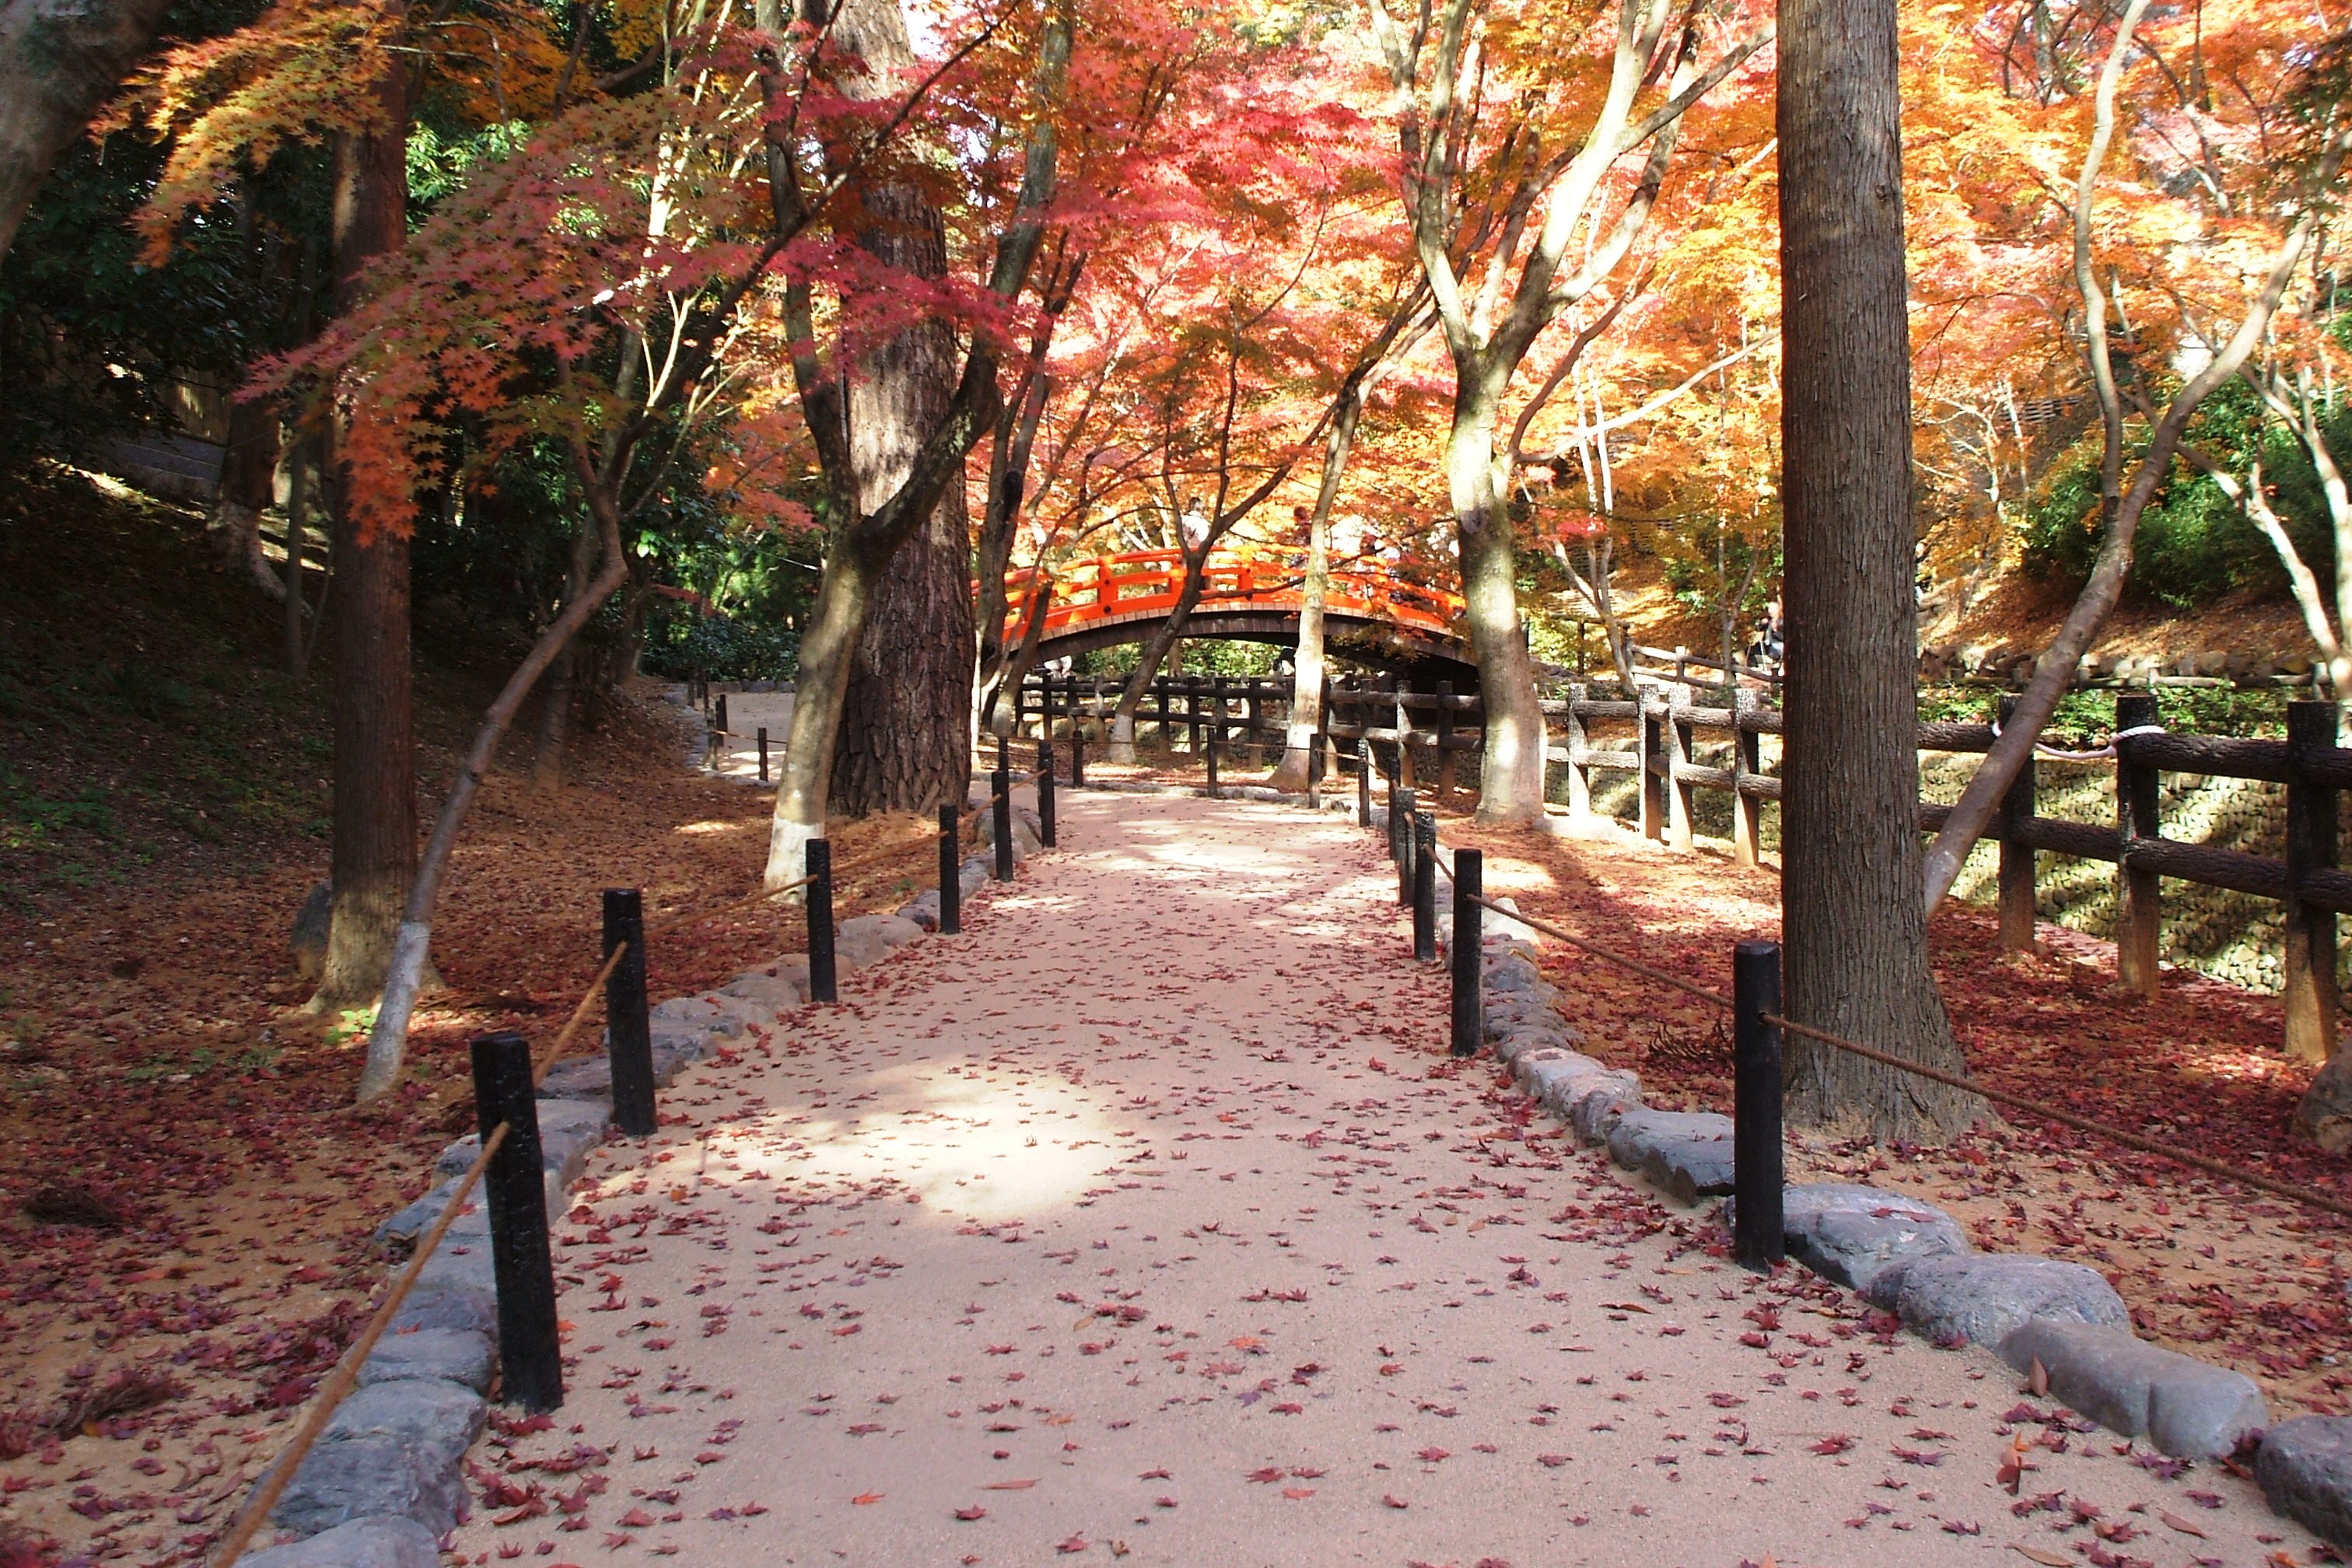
[[1147, 1220]]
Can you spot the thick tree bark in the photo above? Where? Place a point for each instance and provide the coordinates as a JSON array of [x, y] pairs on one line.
[[248, 469], [1856, 934], [905, 738], [863, 540], [1306, 668], [1511, 771], [298, 493], [60, 61], [555, 701], [374, 853]]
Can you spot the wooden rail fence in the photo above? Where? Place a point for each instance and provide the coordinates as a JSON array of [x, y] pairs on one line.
[[1410, 736]]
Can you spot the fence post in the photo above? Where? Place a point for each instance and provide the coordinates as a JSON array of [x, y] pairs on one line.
[[1580, 780], [951, 871], [2310, 957], [1469, 883], [1679, 830], [1363, 773], [1747, 762], [530, 1359], [1649, 721], [2016, 858], [1046, 791], [1213, 729], [1403, 732], [763, 753], [1444, 769], [628, 1031], [720, 723], [1077, 756], [1756, 1173], [819, 905], [2138, 893], [1400, 813], [1001, 819], [1424, 886]]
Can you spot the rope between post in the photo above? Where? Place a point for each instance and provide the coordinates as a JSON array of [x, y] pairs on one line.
[[2080, 1123], [345, 1377], [2305, 1195]]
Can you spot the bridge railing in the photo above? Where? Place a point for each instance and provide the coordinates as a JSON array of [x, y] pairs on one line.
[[1141, 584]]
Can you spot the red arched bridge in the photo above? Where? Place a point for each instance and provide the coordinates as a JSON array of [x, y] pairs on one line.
[[1369, 615]]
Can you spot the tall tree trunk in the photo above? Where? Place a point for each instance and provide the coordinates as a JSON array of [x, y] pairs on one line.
[[1511, 775], [864, 541], [59, 59], [248, 470], [1306, 671], [409, 972], [374, 853], [1856, 934], [556, 697], [299, 492], [905, 740]]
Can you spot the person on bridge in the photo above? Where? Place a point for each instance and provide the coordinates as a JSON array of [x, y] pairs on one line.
[[1193, 524]]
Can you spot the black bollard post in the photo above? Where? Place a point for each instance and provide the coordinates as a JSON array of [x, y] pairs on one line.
[[1078, 757], [1212, 761], [1757, 1240], [1401, 811], [950, 874], [628, 1031], [1001, 819], [720, 723], [820, 922], [530, 1356], [1469, 1014], [1045, 793], [1004, 755], [1424, 887], [763, 753], [1363, 782]]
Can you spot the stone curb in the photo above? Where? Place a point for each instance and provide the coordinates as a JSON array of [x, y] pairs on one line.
[[386, 1482], [1912, 1258]]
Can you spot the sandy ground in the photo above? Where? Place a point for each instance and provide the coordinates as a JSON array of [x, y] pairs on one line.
[[1147, 1220], [747, 713]]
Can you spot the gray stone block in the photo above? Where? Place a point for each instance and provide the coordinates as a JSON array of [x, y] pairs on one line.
[[382, 1541], [1685, 1153], [2304, 1466], [431, 1414], [775, 992], [1536, 1035], [1595, 1116], [579, 1078], [1517, 972], [1850, 1233], [2325, 1114], [891, 930], [462, 1356], [461, 1264], [922, 910], [1619, 1087], [568, 1129], [2182, 1405], [370, 1476], [681, 1043], [974, 875], [393, 1448], [1984, 1297], [449, 1304]]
